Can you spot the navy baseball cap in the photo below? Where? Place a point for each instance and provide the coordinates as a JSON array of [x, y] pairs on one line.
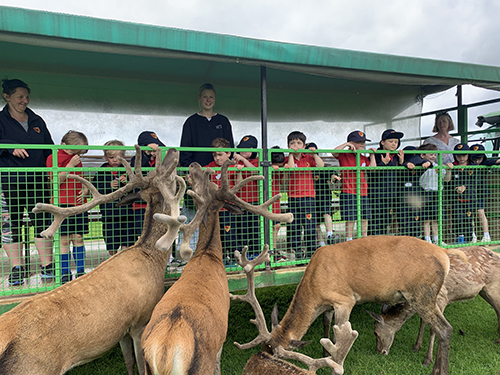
[[357, 136], [391, 134], [477, 147], [148, 137], [462, 147], [311, 144], [248, 141]]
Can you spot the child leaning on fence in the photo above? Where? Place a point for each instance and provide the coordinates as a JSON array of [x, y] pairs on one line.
[[356, 140], [71, 193], [301, 195], [480, 186], [118, 227], [228, 226], [464, 198], [248, 227], [382, 187], [429, 182]]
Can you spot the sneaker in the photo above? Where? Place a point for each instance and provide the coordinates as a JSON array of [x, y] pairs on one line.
[[48, 271], [79, 273], [178, 262], [331, 240], [437, 243], [16, 276], [281, 258], [474, 238], [486, 239], [66, 278]]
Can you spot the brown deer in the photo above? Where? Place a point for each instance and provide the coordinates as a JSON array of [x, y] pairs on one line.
[[383, 269], [188, 326], [53, 332], [263, 363], [481, 275]]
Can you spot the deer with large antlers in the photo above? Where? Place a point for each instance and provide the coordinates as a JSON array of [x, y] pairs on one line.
[[481, 275], [52, 332], [263, 363], [188, 326], [382, 269]]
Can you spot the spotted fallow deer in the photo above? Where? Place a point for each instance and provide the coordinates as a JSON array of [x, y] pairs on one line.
[[50, 333], [382, 269], [263, 363], [188, 326], [481, 275]]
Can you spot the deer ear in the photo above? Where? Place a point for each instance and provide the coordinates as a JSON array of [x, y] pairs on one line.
[[375, 316]]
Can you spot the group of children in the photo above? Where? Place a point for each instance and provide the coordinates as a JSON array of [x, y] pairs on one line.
[[412, 195]]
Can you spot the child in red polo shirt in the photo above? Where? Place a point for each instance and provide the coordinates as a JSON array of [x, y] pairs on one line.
[[248, 224], [228, 227], [348, 203], [301, 195], [71, 193]]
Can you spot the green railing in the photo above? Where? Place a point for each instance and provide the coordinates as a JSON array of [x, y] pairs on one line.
[[289, 245]]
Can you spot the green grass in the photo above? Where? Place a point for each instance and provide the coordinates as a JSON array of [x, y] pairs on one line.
[[473, 353]]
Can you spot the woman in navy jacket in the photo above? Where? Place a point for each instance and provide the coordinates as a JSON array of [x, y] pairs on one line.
[[22, 190]]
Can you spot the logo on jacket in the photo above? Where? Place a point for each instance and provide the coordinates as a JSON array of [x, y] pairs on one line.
[[37, 129], [308, 216], [227, 228], [469, 213], [417, 217]]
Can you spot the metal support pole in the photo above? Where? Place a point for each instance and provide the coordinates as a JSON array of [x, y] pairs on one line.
[[462, 116], [263, 120]]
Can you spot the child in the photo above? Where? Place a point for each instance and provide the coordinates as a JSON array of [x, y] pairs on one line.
[[228, 228], [149, 139], [301, 194], [248, 224], [117, 221], [322, 181], [277, 179], [409, 197], [71, 193], [356, 140], [382, 182], [464, 199], [481, 189], [429, 182]]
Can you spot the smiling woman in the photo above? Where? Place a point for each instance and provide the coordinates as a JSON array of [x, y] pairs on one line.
[[20, 125]]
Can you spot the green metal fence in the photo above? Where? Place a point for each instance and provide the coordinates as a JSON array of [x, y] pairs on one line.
[[428, 203]]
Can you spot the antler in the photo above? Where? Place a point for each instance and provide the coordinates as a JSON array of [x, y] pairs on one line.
[[136, 180], [259, 321], [344, 337], [200, 180], [166, 182], [229, 195]]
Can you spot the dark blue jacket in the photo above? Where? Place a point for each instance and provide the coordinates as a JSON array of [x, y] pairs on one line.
[[468, 178], [12, 132], [102, 181], [198, 131], [383, 181]]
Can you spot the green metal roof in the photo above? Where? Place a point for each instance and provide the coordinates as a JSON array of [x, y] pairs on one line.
[[86, 63]]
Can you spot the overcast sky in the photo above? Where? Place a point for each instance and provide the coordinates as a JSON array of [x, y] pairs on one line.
[[455, 30]]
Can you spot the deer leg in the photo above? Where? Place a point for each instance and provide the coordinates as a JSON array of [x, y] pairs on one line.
[[443, 330], [127, 346], [418, 343], [429, 356], [217, 363], [492, 296], [327, 323]]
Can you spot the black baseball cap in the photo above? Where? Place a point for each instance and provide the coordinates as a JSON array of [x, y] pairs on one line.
[[357, 136], [391, 134]]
